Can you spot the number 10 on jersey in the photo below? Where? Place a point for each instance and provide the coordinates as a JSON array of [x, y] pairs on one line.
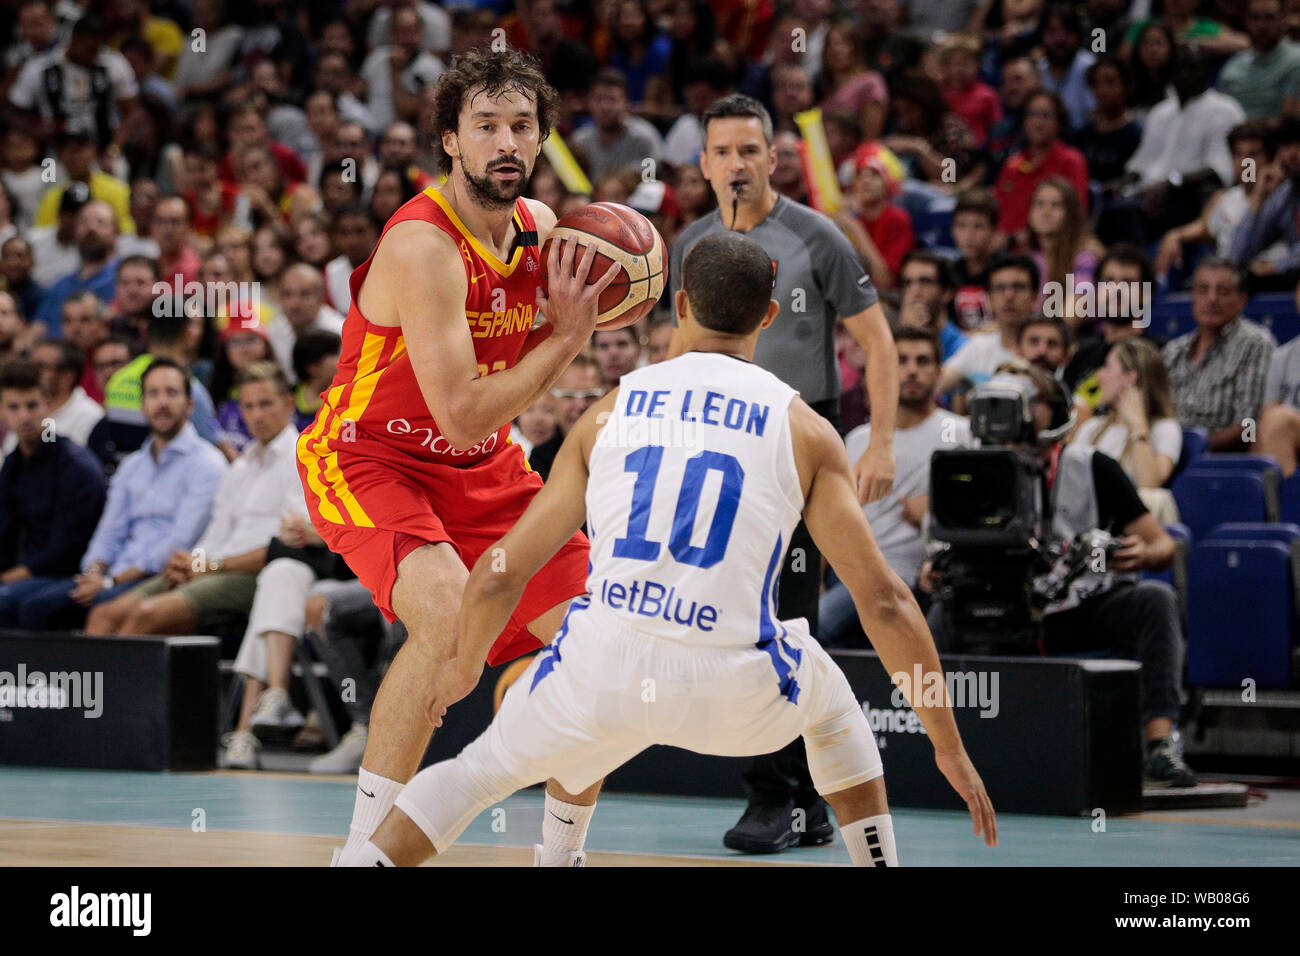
[[645, 462]]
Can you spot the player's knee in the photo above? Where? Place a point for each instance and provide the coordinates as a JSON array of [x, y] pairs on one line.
[[445, 592], [842, 751], [429, 588]]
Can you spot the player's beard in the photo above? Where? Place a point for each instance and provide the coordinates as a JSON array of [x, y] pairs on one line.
[[491, 193]]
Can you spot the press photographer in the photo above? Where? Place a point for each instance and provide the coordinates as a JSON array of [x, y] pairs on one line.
[[1026, 521]]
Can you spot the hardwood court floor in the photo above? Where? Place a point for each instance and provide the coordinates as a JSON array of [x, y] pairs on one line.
[[117, 818]]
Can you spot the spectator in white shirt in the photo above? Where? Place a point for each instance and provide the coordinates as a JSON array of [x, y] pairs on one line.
[[73, 411], [355, 233], [302, 301], [1183, 154], [435, 24], [75, 99], [1013, 289], [615, 138], [22, 172], [335, 75], [395, 74], [1137, 427], [206, 71], [896, 520], [54, 248], [706, 82], [210, 588]]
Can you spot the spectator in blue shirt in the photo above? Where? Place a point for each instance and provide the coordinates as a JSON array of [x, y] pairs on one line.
[[51, 493], [641, 53], [159, 502], [1063, 67], [96, 239], [928, 286], [1273, 214]]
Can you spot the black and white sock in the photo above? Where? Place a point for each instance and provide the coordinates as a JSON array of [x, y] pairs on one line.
[[871, 841]]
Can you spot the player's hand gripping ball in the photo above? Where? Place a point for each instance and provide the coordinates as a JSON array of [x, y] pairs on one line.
[[622, 235]]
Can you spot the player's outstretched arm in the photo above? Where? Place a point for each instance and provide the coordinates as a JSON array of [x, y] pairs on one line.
[[422, 267], [888, 611], [498, 578]]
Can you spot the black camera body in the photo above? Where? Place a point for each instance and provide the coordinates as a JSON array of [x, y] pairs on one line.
[[987, 513], [986, 506]]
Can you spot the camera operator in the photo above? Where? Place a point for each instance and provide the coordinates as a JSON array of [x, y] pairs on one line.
[[1110, 609]]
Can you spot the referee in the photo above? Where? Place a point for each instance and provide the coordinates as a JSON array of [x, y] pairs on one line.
[[818, 279]]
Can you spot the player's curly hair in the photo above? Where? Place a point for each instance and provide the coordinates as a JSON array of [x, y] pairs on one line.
[[482, 70]]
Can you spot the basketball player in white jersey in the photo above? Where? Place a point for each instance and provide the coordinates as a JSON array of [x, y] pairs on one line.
[[691, 477]]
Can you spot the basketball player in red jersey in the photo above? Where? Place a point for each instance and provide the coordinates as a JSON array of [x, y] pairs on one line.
[[408, 469]]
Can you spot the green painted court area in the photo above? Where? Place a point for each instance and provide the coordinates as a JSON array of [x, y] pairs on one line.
[[1266, 833]]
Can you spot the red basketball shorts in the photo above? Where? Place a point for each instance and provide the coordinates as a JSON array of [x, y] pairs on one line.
[[392, 505]]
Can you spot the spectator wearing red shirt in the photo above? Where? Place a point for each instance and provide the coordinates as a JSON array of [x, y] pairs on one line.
[[1044, 154], [178, 263], [975, 102], [247, 128], [211, 200], [745, 24], [880, 231]]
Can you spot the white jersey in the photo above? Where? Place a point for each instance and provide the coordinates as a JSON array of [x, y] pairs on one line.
[[692, 499]]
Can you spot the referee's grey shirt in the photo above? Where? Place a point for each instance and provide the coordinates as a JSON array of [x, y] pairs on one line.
[[819, 278]]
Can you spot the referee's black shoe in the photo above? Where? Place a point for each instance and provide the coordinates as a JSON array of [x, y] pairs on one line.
[[816, 829], [763, 828]]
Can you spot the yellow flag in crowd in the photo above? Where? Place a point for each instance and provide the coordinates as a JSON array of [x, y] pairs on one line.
[[565, 166], [819, 170]]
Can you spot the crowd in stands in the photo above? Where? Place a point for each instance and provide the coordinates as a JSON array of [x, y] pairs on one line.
[[186, 188]]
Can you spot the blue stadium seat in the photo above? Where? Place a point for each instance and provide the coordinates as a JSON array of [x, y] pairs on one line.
[[1171, 316], [1288, 533], [1262, 465], [1207, 497], [1285, 326], [1275, 311], [1289, 494], [1240, 614], [1283, 531], [1196, 442]]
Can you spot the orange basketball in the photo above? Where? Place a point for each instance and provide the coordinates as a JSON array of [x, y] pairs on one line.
[[620, 234]]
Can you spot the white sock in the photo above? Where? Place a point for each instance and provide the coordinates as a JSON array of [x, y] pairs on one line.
[[375, 796], [365, 855], [564, 830], [871, 841]]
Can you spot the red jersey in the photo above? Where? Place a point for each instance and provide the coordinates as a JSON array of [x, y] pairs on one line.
[[891, 231], [1019, 178], [374, 409]]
